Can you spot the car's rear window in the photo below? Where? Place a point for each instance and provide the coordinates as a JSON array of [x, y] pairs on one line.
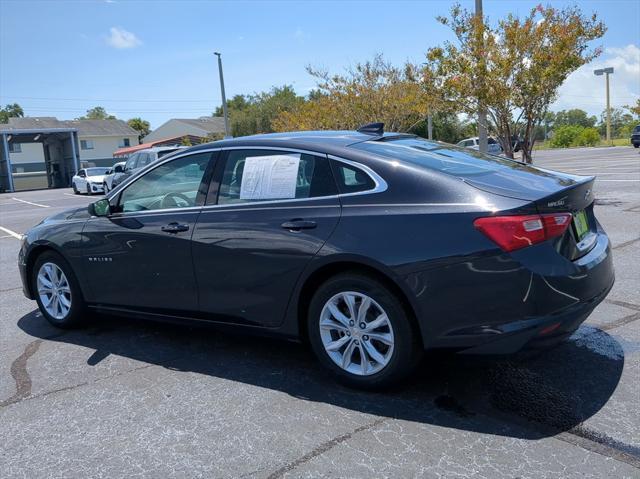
[[450, 159]]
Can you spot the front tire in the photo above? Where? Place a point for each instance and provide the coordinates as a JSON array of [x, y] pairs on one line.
[[361, 332], [57, 291], [105, 187], [88, 190]]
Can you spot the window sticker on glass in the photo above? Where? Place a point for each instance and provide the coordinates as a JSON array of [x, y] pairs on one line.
[[270, 177]]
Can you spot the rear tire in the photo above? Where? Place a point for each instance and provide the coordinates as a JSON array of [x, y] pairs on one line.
[[57, 291], [75, 190], [362, 332]]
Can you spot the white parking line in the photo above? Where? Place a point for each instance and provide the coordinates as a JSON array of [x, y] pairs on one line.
[[30, 203], [10, 233], [600, 181]]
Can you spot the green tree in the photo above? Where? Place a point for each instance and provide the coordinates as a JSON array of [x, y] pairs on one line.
[[371, 91], [447, 127], [11, 111], [634, 109], [97, 113], [251, 114], [141, 126], [185, 141], [514, 67], [575, 116], [238, 102], [622, 123]]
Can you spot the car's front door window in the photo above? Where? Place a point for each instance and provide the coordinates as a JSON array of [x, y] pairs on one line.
[[266, 175], [174, 184], [131, 162]]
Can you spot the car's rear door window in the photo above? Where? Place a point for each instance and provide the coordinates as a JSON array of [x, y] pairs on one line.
[[271, 175]]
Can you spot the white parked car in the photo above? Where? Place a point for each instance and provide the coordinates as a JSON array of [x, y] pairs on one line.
[[113, 172], [493, 146], [89, 180]]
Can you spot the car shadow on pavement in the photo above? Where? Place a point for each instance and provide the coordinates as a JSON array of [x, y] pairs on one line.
[[533, 398]]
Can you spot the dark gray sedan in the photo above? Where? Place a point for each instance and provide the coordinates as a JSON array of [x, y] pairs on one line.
[[371, 246]]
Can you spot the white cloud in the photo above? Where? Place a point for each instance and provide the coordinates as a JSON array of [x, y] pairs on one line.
[[121, 38], [584, 90]]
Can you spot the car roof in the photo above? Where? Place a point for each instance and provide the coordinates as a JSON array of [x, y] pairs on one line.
[[322, 140], [157, 149]]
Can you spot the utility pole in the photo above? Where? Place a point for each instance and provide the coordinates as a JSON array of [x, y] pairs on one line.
[[482, 112], [227, 133], [606, 72], [429, 126]]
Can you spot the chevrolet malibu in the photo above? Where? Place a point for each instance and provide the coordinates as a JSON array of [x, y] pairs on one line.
[[371, 246]]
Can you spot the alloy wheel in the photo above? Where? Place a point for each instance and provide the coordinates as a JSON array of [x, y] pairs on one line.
[[54, 290], [356, 333]]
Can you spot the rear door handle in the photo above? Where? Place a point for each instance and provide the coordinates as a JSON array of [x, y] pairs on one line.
[[297, 225], [175, 228]]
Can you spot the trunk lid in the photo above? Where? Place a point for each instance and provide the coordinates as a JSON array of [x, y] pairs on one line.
[[552, 192]]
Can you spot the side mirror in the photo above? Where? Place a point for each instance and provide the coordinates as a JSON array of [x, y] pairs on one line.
[[100, 208]]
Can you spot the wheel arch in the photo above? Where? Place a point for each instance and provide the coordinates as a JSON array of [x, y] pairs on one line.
[[322, 272]]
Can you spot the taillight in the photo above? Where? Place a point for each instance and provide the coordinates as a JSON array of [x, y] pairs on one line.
[[515, 232]]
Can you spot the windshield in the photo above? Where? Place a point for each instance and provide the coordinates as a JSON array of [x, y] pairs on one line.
[[96, 171], [450, 159]]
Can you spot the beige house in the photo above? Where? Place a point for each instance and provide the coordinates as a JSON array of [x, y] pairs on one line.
[[45, 152], [204, 127]]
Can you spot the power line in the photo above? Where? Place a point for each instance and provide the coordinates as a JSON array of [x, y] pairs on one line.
[[130, 100]]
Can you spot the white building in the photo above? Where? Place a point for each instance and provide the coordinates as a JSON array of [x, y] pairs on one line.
[[45, 152]]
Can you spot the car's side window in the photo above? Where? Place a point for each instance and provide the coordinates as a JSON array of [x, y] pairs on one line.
[[352, 179], [144, 160], [131, 162], [267, 175], [82, 174], [174, 184]]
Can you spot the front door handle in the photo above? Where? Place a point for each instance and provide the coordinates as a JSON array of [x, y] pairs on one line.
[[175, 228], [297, 225]]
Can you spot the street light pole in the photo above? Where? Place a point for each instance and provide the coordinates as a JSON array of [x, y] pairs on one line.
[[482, 112], [227, 134], [606, 72]]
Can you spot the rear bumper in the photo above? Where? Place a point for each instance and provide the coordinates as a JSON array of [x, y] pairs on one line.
[[505, 303], [538, 333]]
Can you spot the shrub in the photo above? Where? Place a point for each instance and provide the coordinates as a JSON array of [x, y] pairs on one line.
[[565, 136], [588, 137]]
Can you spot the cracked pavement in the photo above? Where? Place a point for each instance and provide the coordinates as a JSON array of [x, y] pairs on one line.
[[127, 398]]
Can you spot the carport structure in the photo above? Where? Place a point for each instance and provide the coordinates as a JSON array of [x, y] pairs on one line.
[[61, 160]]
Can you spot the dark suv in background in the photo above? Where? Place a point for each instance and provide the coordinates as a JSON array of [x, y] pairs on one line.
[[635, 137]]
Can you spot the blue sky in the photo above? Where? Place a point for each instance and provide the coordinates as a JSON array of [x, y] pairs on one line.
[[155, 59]]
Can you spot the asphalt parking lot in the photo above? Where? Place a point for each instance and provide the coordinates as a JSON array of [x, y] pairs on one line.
[[129, 398]]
